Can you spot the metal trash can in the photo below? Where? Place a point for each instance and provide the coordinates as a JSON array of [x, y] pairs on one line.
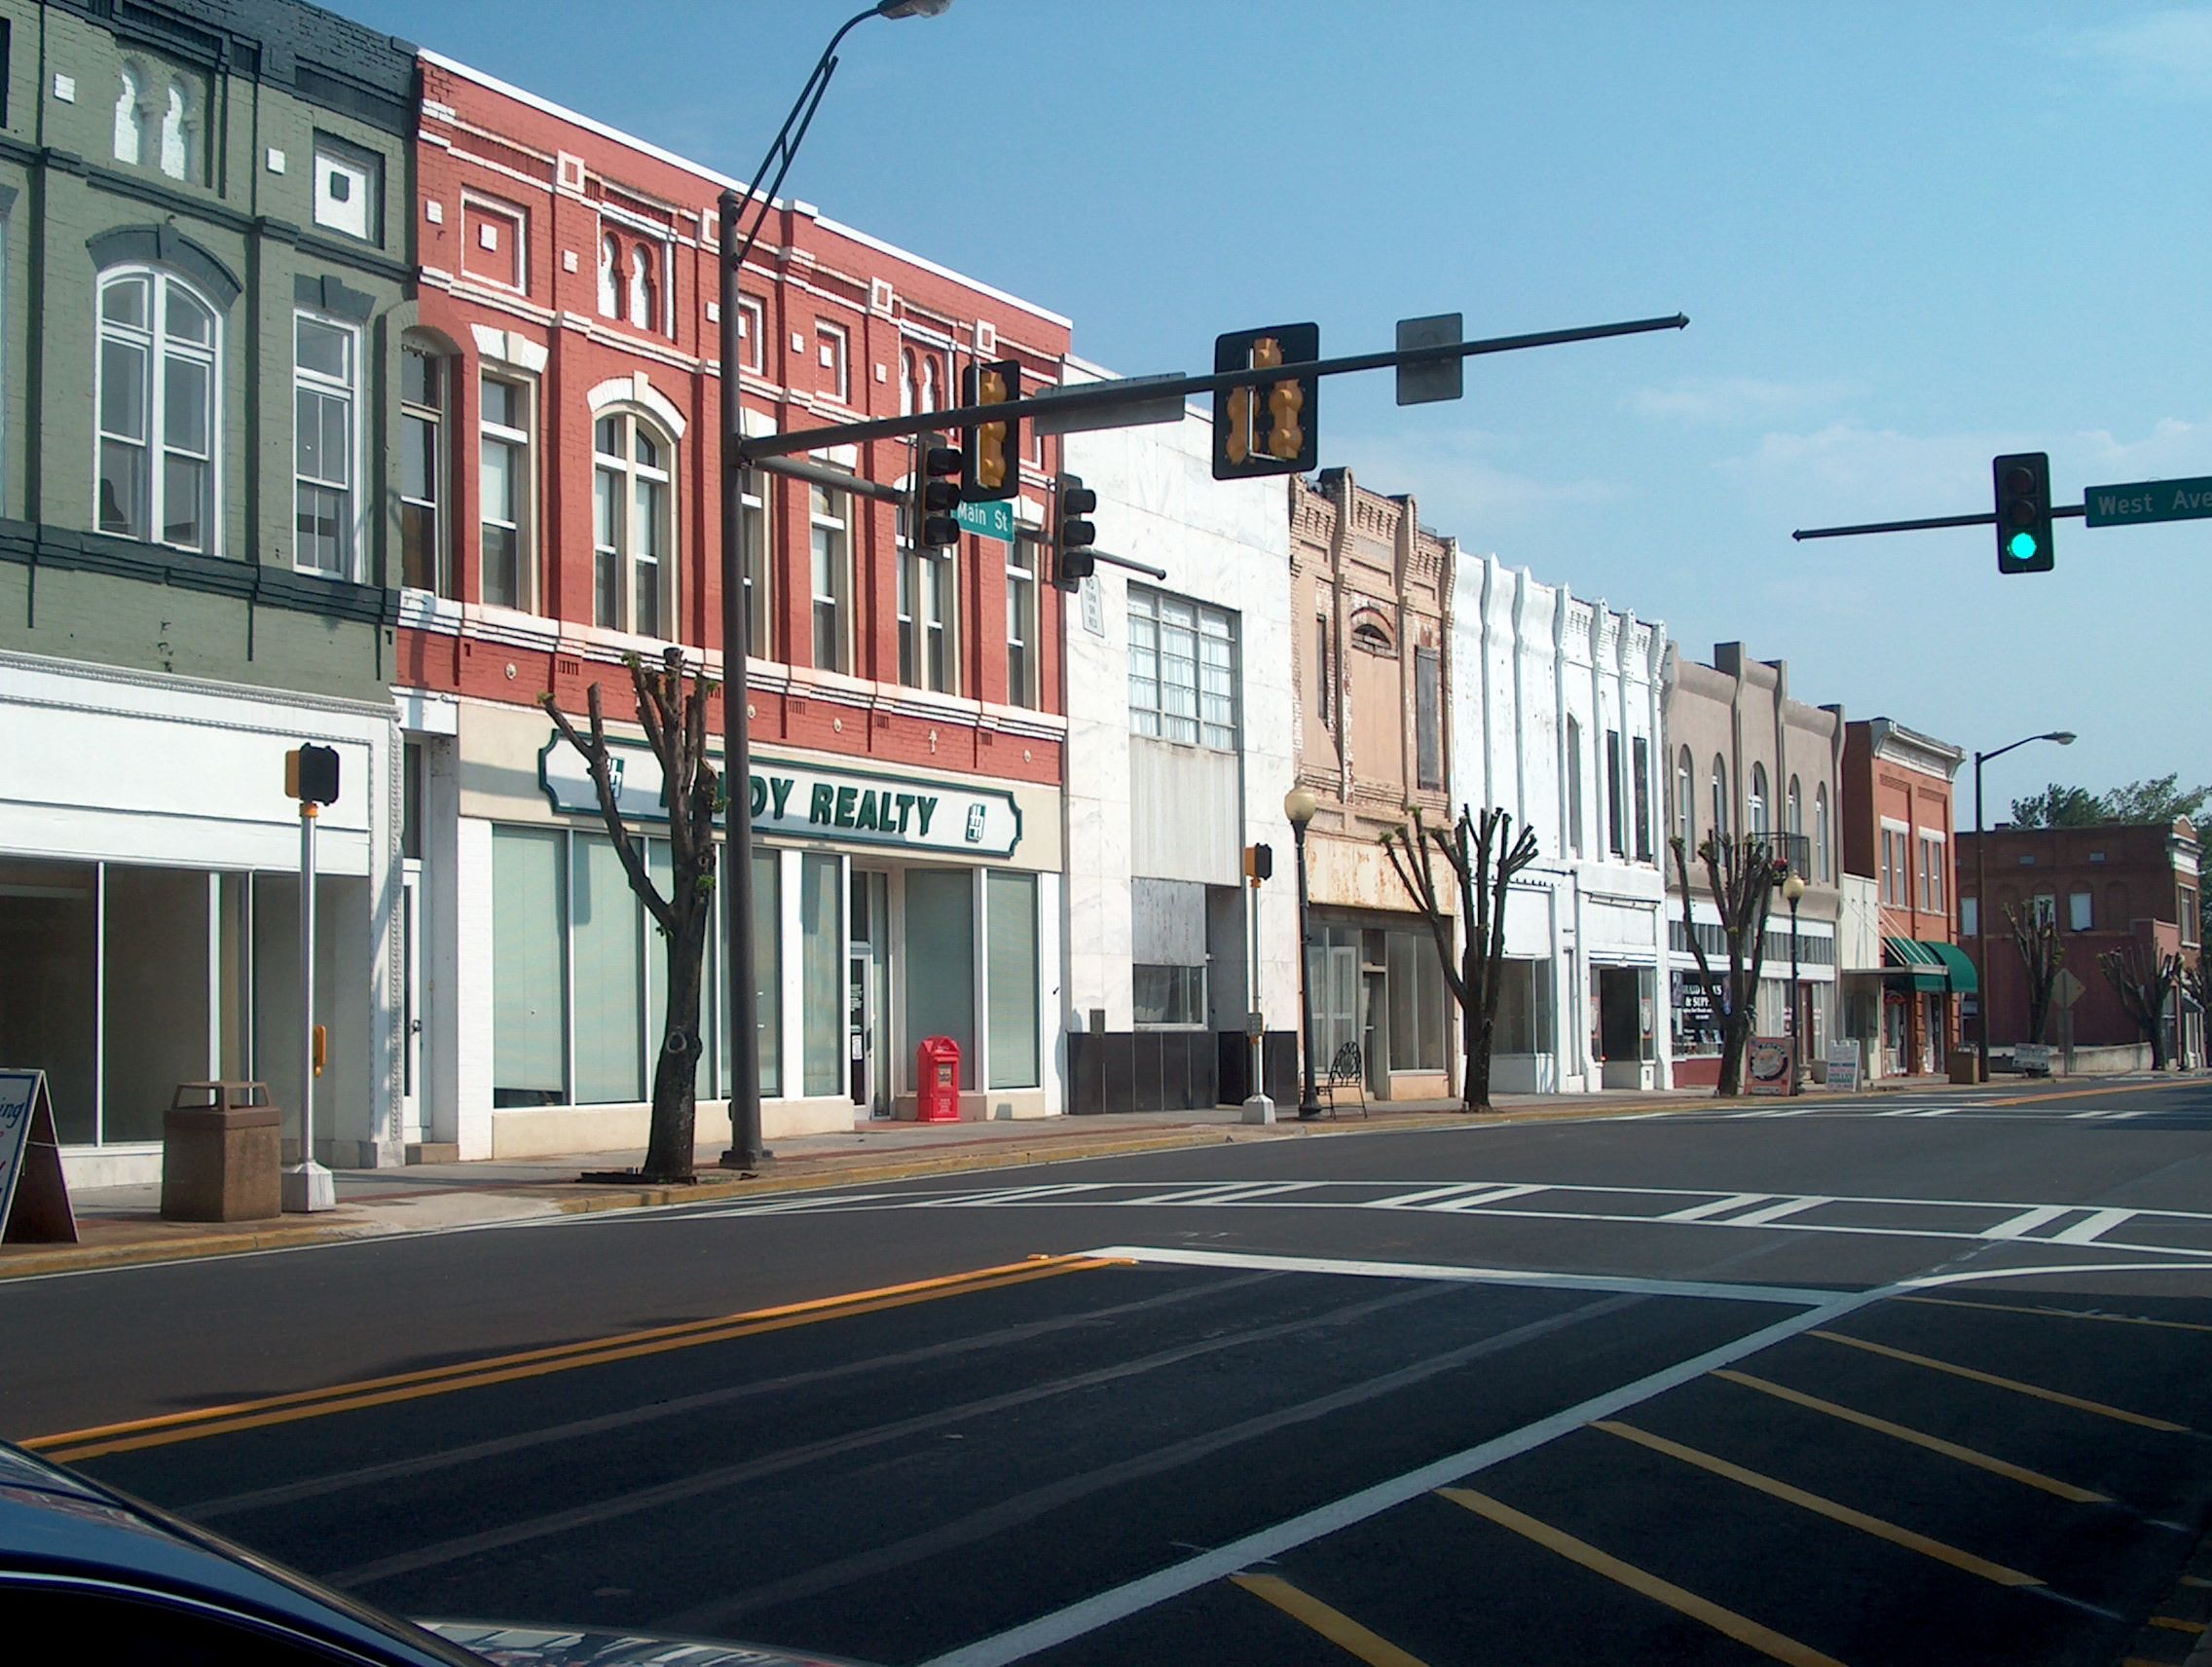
[[221, 1152]]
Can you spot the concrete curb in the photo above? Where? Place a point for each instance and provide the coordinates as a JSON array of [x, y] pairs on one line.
[[820, 1172]]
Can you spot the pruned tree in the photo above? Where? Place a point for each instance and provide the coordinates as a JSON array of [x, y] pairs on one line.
[[2041, 954], [2143, 991], [671, 709], [1484, 855], [1741, 874]]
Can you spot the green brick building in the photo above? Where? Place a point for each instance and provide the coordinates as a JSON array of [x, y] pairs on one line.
[[205, 248]]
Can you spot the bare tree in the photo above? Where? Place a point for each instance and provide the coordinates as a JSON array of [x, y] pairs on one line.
[[673, 712], [1484, 857], [2143, 991], [1742, 875], [2041, 954]]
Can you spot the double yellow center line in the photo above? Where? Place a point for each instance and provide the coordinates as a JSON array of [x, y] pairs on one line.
[[70, 1446]]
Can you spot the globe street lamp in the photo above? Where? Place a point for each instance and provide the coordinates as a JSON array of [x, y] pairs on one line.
[[1794, 890], [1298, 805], [746, 1148], [2065, 738]]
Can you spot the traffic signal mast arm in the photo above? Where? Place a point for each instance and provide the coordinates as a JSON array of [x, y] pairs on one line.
[[2058, 512], [1106, 395]]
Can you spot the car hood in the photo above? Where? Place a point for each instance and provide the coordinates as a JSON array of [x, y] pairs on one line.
[[535, 1646]]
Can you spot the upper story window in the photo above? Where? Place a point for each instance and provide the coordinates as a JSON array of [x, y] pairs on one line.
[[633, 527], [1685, 791], [645, 286], [1574, 785], [1182, 670], [609, 277], [2080, 911], [1720, 818], [751, 333], [1616, 839], [349, 188], [759, 636], [2187, 907], [833, 578], [832, 348], [1641, 761], [326, 397], [160, 414], [160, 118], [1931, 863], [1756, 807], [1324, 671], [1021, 623], [1793, 811], [506, 490], [1896, 865], [492, 236], [1429, 717], [925, 612], [1820, 870], [425, 490]]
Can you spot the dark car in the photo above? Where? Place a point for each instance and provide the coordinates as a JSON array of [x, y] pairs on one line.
[[130, 1584]]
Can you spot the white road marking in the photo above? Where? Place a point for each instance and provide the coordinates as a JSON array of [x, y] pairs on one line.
[[2087, 1232], [1223, 1192], [1717, 1207], [1428, 1195], [2027, 1221], [1775, 1212], [1476, 1200]]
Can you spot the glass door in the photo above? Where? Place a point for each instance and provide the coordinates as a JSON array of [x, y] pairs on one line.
[[411, 1006]]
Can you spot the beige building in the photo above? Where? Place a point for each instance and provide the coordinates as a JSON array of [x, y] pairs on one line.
[[1745, 758], [1370, 614]]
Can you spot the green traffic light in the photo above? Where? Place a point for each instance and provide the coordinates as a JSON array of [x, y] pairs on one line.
[[2021, 547]]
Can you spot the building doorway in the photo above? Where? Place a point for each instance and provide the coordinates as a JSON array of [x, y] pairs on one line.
[[868, 994]]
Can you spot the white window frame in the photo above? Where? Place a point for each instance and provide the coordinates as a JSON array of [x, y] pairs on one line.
[[759, 573], [154, 342], [835, 525], [1722, 816], [1754, 804], [345, 391], [628, 552], [2081, 910], [1933, 851], [609, 273], [1160, 622], [1685, 798], [1820, 832], [522, 443], [833, 351], [915, 631], [1023, 674], [751, 333], [439, 415]]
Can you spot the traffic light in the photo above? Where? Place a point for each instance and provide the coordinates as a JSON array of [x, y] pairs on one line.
[[1073, 535], [937, 493], [2022, 484], [311, 775], [1271, 428], [991, 467]]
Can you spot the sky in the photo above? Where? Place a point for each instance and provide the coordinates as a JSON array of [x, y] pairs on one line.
[[1908, 238]]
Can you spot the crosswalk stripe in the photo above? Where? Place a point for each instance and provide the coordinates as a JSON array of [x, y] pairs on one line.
[[1429, 1195], [1495, 1195], [1717, 1206], [1775, 1211], [2027, 1221], [2087, 1232]]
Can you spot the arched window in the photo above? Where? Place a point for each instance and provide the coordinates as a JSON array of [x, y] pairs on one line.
[[425, 464], [1686, 794], [180, 131], [159, 419], [609, 265], [645, 288], [1793, 819], [1720, 817], [907, 406], [130, 111], [1755, 810], [930, 400], [633, 526], [1820, 834]]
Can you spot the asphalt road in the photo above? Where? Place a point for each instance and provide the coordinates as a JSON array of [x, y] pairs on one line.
[[1912, 1380]]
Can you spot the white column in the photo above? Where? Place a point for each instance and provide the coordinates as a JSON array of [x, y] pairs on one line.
[[469, 1041]]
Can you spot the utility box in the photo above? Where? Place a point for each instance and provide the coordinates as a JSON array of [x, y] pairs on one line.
[[936, 1078], [221, 1152], [1965, 1065]]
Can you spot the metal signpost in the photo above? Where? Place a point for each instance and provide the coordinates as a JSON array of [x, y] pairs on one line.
[[311, 776]]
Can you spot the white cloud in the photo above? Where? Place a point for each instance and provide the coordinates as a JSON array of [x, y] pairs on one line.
[[2167, 52], [1460, 488], [1732, 398]]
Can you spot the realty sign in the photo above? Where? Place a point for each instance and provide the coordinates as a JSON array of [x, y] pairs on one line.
[[864, 807]]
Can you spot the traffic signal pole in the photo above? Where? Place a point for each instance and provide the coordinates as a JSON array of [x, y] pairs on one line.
[[2058, 513], [1130, 392]]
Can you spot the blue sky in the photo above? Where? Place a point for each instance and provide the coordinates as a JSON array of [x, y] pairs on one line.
[[1907, 236]]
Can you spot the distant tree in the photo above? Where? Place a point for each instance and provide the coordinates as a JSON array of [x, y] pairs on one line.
[[2143, 991], [1741, 874], [672, 711], [1484, 857], [2041, 954], [2058, 806]]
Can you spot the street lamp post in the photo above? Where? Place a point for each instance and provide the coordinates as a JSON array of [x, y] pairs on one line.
[[2065, 738], [1793, 889], [746, 1148], [1299, 806]]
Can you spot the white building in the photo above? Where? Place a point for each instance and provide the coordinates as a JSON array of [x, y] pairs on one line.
[[1179, 705], [1556, 707]]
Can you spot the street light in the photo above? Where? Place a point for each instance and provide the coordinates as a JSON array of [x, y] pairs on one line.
[[2064, 738], [746, 1150], [1298, 805], [1794, 890]]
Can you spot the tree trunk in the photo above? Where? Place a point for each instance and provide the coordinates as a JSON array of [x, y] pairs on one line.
[[2157, 1030], [676, 1074], [1735, 1035], [1474, 1039]]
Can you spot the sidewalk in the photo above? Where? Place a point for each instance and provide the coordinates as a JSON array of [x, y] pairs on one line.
[[120, 1225]]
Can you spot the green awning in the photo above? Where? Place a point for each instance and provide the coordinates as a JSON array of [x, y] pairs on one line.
[[1964, 980], [1913, 965]]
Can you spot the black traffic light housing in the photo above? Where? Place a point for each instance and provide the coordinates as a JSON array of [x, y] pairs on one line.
[[937, 493], [1272, 428], [2022, 484], [992, 458], [311, 774], [1073, 534]]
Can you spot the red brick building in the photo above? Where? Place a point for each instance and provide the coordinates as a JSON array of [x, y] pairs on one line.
[[1896, 830], [2108, 888], [560, 488]]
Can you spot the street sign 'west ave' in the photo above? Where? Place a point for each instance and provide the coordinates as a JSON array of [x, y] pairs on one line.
[[2148, 500]]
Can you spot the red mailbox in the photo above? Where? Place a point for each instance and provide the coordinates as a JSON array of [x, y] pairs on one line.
[[936, 1069]]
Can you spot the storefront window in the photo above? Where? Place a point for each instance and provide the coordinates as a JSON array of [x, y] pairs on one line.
[[608, 1022], [941, 960], [768, 969], [1524, 1009], [528, 967], [821, 973], [156, 991], [49, 985], [1010, 911], [1418, 1021]]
